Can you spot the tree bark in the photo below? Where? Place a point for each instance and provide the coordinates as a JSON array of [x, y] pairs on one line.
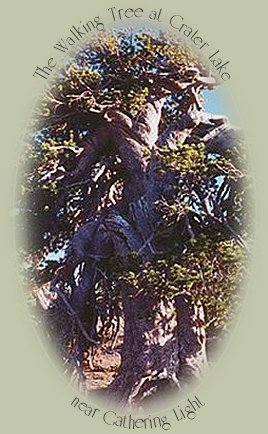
[[149, 352], [164, 339], [191, 337], [164, 347]]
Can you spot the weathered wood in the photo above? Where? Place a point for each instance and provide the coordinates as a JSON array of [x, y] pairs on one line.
[[164, 339]]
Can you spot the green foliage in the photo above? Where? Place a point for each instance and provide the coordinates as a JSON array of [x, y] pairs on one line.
[[209, 271], [206, 263], [187, 159], [116, 67], [211, 266]]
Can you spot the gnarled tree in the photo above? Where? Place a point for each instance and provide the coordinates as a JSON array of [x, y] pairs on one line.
[[134, 208]]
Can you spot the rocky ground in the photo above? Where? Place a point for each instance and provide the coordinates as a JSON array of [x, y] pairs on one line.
[[102, 363]]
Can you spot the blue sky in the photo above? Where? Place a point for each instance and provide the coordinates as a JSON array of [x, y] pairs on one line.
[[216, 102]]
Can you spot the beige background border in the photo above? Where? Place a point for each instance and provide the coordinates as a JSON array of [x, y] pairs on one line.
[[35, 397]]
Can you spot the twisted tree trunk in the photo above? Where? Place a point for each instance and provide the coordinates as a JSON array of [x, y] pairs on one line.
[[164, 347], [164, 339], [149, 353]]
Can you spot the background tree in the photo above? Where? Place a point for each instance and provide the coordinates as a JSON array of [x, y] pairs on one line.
[[134, 206]]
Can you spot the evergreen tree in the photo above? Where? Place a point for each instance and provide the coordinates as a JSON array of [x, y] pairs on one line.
[[134, 206]]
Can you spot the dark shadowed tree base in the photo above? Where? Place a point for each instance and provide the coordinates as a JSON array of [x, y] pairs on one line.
[[142, 183], [155, 356]]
